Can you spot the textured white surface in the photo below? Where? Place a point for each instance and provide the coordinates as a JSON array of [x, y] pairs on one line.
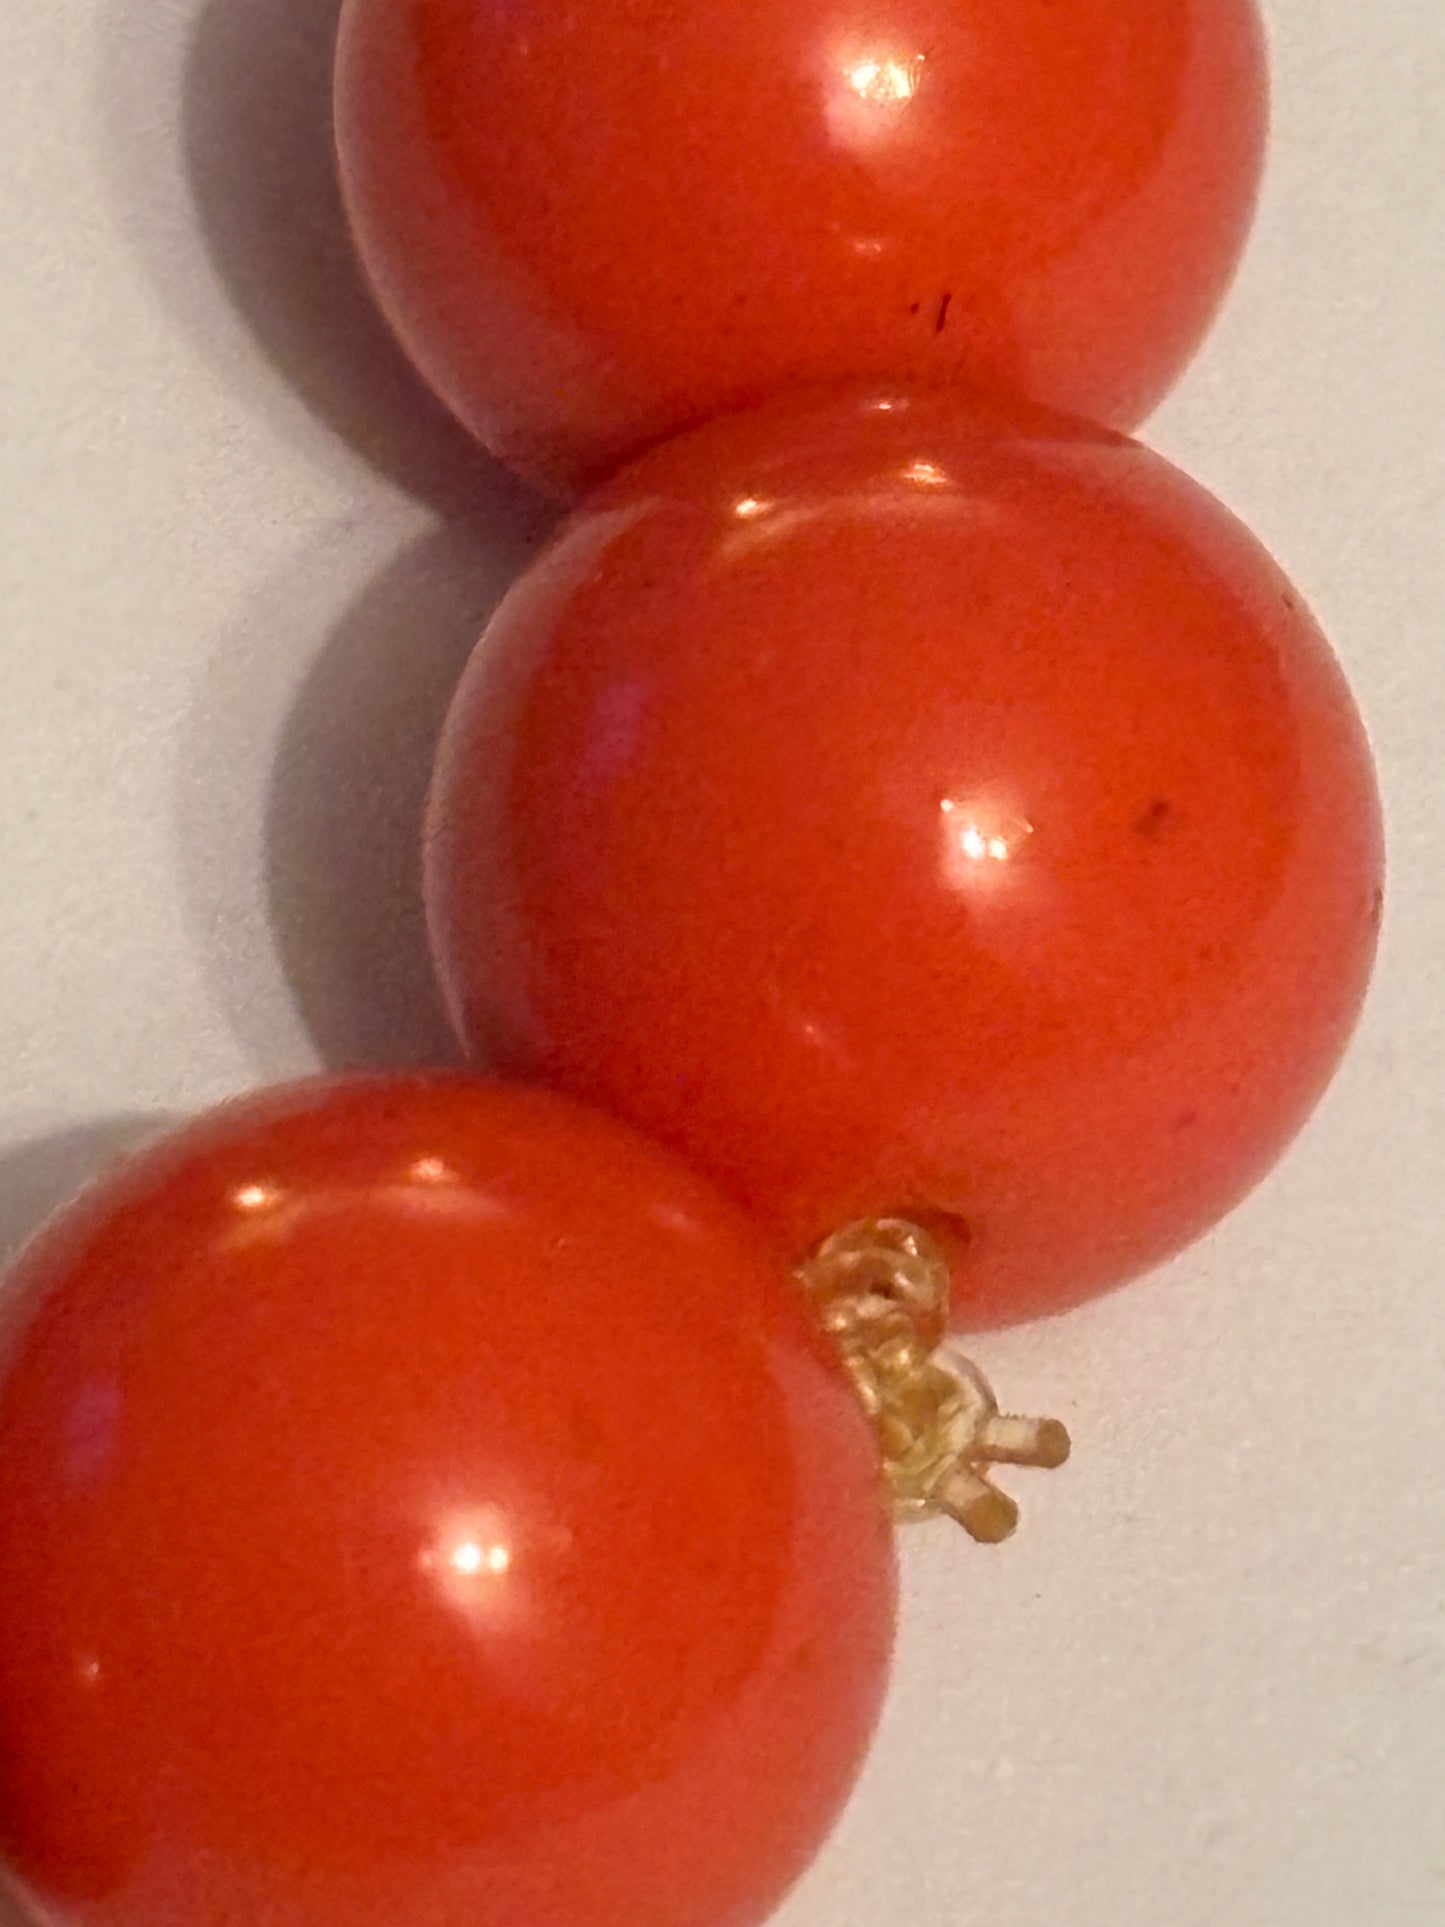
[[242, 562]]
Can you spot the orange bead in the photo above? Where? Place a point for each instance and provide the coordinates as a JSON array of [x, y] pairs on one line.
[[424, 1502], [895, 816], [594, 225]]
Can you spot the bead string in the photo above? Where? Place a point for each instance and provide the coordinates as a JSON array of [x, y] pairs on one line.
[[881, 1288]]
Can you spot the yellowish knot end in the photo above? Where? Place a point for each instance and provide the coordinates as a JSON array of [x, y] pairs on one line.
[[881, 1288]]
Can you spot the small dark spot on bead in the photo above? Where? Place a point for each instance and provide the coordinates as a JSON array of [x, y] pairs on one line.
[[806, 1656], [1207, 953], [915, 307], [1185, 1119], [943, 308], [1291, 602], [587, 1437], [1377, 907], [1155, 819]]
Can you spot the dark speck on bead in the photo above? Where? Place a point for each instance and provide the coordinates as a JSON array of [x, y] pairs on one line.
[[1155, 819]]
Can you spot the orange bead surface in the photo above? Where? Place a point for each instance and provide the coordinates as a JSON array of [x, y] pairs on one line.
[[424, 1505], [594, 225], [898, 817]]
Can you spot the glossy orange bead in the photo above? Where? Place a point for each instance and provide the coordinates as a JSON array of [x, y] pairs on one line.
[[893, 814], [424, 1503], [594, 225]]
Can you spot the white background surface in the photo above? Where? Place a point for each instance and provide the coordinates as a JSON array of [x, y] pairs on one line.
[[242, 563]]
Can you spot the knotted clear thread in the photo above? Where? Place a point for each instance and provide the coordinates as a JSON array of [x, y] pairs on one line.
[[881, 1288]]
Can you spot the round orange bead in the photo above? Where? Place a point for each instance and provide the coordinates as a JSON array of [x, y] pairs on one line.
[[896, 815], [424, 1502], [594, 225]]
